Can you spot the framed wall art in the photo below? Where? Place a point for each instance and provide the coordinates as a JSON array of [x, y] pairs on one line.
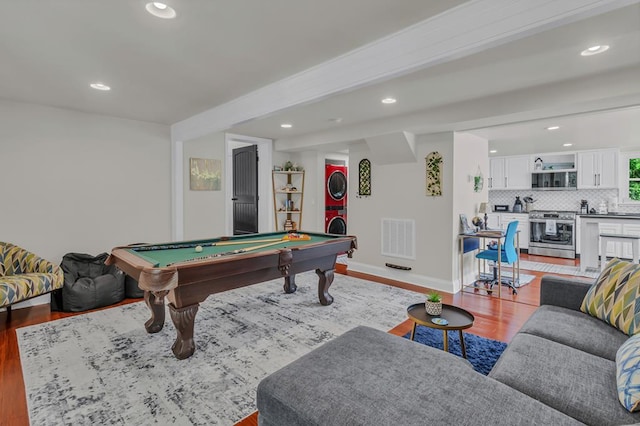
[[434, 174], [205, 174]]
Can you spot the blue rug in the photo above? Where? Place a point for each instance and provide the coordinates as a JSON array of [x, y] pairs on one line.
[[482, 353]]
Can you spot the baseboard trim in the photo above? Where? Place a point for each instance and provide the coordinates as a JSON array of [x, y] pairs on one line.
[[404, 276]]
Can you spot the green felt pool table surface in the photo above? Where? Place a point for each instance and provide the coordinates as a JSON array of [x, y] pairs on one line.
[[165, 255]]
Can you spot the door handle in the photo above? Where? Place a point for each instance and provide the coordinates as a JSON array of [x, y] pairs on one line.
[[234, 199]]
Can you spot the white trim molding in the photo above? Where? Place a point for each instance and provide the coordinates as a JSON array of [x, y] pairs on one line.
[[177, 191], [404, 276]]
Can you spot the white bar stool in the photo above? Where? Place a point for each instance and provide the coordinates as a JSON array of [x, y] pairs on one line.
[[605, 238]]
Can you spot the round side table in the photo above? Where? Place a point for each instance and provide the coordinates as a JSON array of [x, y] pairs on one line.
[[457, 318]]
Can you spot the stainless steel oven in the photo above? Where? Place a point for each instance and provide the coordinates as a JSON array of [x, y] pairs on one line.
[[552, 233]]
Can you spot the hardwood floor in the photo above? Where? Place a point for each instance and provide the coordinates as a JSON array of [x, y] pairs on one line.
[[496, 318]]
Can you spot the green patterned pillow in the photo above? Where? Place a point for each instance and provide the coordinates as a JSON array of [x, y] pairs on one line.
[[615, 296], [628, 373]]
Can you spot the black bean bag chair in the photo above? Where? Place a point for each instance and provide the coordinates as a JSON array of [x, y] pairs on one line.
[[88, 283]]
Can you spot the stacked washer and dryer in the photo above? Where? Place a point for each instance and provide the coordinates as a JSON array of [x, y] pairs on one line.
[[335, 219]]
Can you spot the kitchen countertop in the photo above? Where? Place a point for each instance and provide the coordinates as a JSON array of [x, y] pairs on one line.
[[510, 212], [612, 215]]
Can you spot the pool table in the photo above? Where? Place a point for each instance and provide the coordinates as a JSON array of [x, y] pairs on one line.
[[187, 275]]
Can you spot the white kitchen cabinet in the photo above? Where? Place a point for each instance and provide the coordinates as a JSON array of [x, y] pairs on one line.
[[598, 169], [629, 229], [497, 174], [510, 172], [493, 221], [523, 226]]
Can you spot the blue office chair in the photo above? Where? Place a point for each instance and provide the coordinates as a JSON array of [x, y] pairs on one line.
[[508, 255]]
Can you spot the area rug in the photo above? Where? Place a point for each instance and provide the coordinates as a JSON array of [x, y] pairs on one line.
[[103, 368], [482, 353], [558, 269]]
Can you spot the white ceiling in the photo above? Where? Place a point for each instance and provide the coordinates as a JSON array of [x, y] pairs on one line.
[[166, 71]]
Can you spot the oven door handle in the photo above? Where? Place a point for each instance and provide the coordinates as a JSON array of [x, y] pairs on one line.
[[557, 221]]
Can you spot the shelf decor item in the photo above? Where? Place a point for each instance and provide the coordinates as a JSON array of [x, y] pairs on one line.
[[434, 174], [433, 304], [364, 178]]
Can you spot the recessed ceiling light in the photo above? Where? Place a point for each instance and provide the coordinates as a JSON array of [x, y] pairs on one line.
[[567, 144], [100, 86], [553, 128], [160, 10], [594, 50], [286, 125], [493, 151], [388, 101]]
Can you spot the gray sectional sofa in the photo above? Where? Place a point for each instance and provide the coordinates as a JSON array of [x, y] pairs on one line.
[[558, 370]]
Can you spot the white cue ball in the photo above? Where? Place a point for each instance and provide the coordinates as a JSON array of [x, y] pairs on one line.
[[198, 249]]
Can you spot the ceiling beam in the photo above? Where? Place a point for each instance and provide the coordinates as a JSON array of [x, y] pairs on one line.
[[464, 30]]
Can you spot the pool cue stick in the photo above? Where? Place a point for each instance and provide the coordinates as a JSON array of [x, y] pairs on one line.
[[231, 243], [303, 237], [239, 251], [262, 246], [153, 247]]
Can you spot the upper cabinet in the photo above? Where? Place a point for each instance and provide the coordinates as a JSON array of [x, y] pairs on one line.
[[598, 169], [510, 172]]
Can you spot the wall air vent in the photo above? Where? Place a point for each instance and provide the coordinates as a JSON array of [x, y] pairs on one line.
[[398, 238]]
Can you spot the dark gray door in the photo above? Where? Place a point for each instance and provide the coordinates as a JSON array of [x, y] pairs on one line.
[[245, 190]]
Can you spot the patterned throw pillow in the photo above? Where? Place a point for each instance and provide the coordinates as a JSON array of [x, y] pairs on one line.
[[615, 296], [628, 373]]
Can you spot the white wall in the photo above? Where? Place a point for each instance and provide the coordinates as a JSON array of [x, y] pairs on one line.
[[204, 211], [398, 191], [469, 157], [76, 182]]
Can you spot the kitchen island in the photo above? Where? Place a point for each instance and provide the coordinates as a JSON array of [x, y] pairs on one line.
[[619, 223]]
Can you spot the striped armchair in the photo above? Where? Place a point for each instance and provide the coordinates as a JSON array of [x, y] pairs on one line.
[[24, 275]]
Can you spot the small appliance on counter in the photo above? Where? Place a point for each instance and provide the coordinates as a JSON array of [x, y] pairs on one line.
[[602, 208], [528, 204], [517, 206], [584, 207], [501, 208]]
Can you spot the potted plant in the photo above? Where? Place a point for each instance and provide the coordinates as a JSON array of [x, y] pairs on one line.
[[433, 304]]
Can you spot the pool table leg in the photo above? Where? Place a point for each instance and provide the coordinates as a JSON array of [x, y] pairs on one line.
[[155, 303], [183, 319], [326, 278], [290, 284]]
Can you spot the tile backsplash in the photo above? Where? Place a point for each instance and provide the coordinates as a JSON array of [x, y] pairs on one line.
[[559, 200]]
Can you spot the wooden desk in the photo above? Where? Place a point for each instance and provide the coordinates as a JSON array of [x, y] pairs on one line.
[[491, 234]]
